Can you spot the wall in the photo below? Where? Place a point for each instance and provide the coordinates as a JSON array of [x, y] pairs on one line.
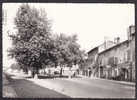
[[125, 54], [92, 56]]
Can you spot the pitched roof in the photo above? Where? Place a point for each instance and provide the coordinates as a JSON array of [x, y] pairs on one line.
[[96, 48], [115, 46]]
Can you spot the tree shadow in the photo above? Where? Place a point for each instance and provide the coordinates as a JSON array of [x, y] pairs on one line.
[[28, 77], [55, 76], [76, 77], [45, 77], [51, 76]]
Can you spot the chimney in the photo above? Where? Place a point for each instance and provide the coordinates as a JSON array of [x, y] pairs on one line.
[[130, 32], [117, 40]]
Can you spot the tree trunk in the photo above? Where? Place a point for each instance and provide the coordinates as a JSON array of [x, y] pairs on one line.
[[44, 71], [60, 70]]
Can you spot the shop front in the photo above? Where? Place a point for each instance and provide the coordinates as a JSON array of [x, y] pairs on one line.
[[125, 70]]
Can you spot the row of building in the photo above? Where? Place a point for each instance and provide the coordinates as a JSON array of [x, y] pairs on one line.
[[114, 59]]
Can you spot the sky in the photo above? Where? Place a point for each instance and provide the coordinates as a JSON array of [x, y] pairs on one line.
[[91, 22]]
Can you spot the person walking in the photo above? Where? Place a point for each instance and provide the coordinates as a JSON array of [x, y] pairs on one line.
[[33, 73]]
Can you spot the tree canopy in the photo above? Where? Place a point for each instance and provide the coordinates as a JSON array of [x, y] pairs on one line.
[[34, 45]]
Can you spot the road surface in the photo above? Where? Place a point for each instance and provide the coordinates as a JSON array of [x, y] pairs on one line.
[[75, 88], [27, 89]]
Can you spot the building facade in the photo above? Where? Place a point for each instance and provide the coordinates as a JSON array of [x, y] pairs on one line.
[[116, 62], [92, 60]]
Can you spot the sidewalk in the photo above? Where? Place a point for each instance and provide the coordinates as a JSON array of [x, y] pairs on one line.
[[119, 82], [8, 91]]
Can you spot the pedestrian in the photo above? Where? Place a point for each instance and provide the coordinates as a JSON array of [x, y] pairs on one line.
[[33, 73], [89, 72], [61, 71], [78, 71], [49, 72]]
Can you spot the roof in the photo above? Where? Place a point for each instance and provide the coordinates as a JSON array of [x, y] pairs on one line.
[[93, 49], [115, 46], [107, 42]]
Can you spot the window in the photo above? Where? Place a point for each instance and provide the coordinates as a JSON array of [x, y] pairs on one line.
[[113, 61], [133, 55], [125, 56], [128, 55]]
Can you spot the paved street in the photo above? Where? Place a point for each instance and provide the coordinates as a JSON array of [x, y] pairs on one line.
[[27, 89], [89, 88], [75, 87]]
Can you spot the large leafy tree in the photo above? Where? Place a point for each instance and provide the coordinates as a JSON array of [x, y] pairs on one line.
[[34, 46], [32, 42], [67, 50]]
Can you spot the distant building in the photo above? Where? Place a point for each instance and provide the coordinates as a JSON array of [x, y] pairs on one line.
[[117, 60]]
